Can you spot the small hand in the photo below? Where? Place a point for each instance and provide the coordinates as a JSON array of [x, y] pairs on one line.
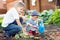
[[25, 33], [34, 26], [29, 24]]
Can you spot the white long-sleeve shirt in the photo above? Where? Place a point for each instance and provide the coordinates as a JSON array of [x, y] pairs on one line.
[[10, 17]]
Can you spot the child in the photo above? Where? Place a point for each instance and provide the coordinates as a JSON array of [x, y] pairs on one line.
[[32, 23], [13, 19]]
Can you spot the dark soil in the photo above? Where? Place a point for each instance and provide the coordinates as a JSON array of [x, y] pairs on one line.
[[52, 32]]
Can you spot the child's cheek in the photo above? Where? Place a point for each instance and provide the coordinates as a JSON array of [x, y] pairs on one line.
[[35, 18]]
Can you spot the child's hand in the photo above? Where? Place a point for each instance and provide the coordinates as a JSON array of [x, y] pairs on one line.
[[23, 17], [34, 26], [30, 24], [25, 33], [20, 15]]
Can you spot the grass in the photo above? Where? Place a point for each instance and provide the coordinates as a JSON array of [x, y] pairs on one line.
[[1, 21]]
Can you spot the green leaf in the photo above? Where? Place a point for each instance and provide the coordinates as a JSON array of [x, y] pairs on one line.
[[17, 36], [55, 18]]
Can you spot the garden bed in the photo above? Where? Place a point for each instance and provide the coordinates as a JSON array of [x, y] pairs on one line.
[[52, 32]]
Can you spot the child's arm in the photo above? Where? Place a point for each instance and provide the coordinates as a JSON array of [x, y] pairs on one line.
[[18, 22], [29, 24], [23, 28], [23, 17]]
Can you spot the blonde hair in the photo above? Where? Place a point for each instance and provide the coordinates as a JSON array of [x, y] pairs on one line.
[[21, 4]]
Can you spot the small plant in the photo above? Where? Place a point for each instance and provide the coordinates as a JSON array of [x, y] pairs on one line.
[[55, 18], [21, 35], [46, 14], [17, 36]]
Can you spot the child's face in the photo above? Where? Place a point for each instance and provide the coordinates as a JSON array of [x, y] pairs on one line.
[[34, 17], [21, 10]]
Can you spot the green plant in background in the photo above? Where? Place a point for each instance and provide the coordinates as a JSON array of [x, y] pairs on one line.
[[55, 18], [46, 14], [27, 15], [43, 15], [0, 25], [1, 21]]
